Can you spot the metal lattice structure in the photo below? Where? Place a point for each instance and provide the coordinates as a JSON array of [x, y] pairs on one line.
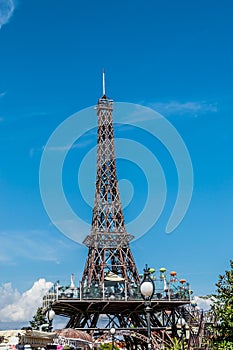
[[108, 242], [108, 225], [110, 285]]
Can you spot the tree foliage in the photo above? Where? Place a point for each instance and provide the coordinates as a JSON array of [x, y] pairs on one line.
[[223, 307], [177, 344], [108, 346], [38, 319]]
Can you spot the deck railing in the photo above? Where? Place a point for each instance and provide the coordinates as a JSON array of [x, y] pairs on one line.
[[116, 292]]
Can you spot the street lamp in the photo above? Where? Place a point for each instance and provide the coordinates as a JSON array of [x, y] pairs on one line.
[[113, 332], [50, 316], [147, 289], [182, 331]]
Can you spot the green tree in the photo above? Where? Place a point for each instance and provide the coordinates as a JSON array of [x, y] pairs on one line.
[[223, 308], [38, 319], [177, 344], [108, 346]]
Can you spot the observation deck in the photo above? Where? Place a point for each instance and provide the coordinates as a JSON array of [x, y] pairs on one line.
[[115, 294]]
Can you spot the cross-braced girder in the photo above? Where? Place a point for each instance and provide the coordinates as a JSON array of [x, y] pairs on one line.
[[108, 224], [108, 242], [101, 261]]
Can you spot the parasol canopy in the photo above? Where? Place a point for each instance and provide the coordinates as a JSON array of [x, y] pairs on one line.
[[111, 276], [71, 333]]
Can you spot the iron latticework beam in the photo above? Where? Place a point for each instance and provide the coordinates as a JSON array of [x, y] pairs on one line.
[[108, 224], [108, 242]]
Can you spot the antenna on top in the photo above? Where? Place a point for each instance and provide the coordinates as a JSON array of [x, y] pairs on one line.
[[103, 76]]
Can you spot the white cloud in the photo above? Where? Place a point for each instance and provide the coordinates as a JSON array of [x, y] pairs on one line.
[[6, 11], [8, 295], [16, 307], [153, 111], [179, 108], [202, 303], [33, 248]]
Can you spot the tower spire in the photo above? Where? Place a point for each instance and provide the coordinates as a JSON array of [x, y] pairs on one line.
[[103, 81]]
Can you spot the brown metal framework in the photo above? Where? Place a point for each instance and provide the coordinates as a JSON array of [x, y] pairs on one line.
[[108, 224], [108, 242], [110, 283]]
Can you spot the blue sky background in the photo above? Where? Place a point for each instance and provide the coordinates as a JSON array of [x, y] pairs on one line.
[[172, 56]]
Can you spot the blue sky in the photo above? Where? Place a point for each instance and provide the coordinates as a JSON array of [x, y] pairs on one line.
[[174, 57]]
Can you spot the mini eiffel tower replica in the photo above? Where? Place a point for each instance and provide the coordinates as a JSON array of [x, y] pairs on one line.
[[110, 273], [109, 292], [109, 255]]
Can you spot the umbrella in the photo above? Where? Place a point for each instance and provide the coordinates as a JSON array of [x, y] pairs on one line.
[[111, 276], [71, 333]]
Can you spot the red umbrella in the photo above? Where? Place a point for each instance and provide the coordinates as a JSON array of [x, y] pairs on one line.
[[73, 334]]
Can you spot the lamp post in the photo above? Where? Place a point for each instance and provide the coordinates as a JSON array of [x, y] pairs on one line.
[[113, 332], [147, 289], [182, 331], [50, 316]]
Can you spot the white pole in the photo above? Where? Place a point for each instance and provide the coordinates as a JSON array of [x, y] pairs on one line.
[[103, 82]]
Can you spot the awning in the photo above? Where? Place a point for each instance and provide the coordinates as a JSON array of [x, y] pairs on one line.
[[113, 277], [32, 337]]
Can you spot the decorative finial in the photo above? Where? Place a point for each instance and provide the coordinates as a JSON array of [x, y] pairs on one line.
[[103, 76], [72, 286]]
